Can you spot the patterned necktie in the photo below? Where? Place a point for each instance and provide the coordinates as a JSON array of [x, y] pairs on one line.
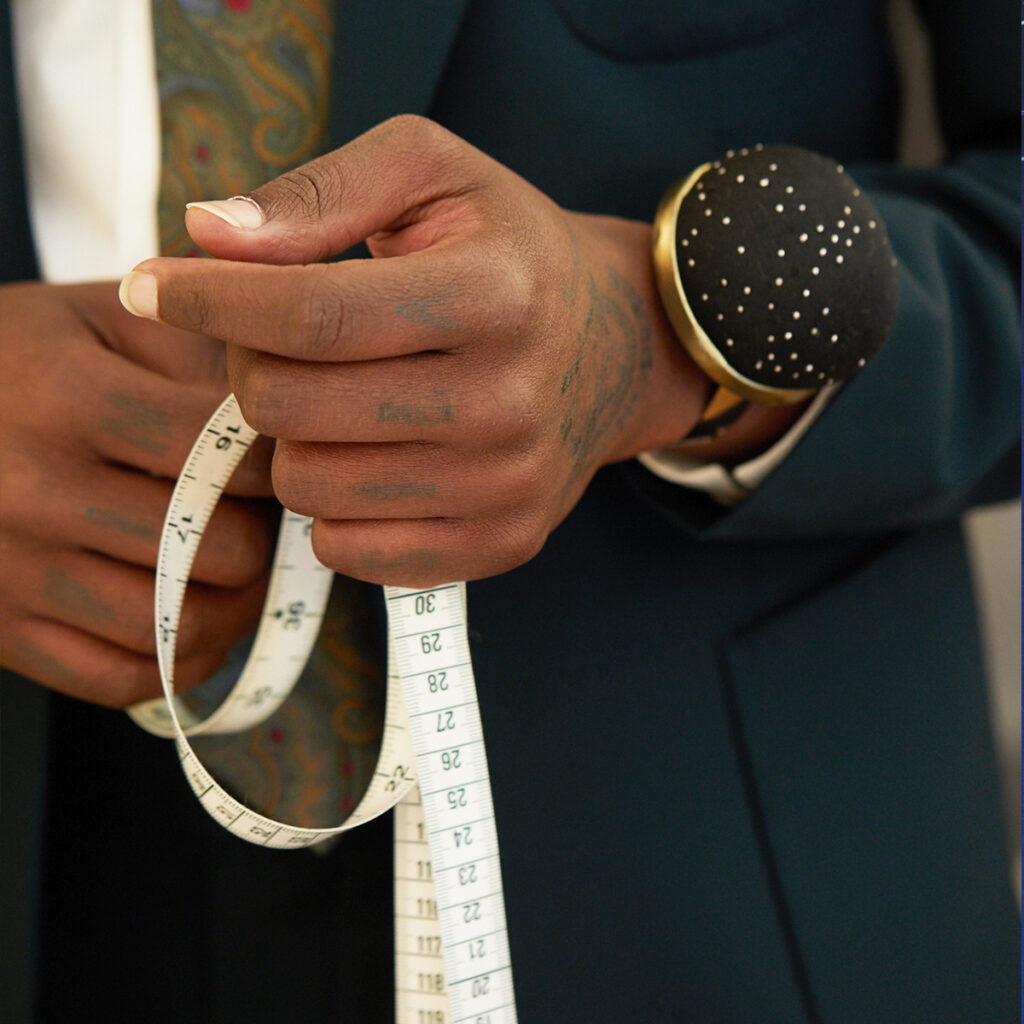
[[243, 96]]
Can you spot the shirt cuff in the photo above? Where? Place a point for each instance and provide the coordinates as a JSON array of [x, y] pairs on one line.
[[730, 485]]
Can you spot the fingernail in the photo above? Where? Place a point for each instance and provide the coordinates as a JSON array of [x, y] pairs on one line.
[[238, 211], [138, 294]]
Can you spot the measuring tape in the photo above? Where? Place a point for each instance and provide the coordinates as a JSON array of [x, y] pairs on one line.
[[452, 962]]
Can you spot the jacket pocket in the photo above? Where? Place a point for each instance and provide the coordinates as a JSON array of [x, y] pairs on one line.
[[645, 29]]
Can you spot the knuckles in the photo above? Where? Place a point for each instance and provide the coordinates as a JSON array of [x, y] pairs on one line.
[[312, 193], [128, 681], [416, 136], [512, 543], [431, 552], [298, 475], [511, 414], [307, 192], [264, 391], [24, 483], [320, 319]]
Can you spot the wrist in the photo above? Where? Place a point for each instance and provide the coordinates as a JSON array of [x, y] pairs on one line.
[[677, 390]]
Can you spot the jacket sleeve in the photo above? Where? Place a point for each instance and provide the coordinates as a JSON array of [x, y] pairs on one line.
[[932, 425]]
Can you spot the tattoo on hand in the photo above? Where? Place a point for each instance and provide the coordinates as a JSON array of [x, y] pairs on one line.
[[113, 519], [40, 664], [398, 412], [139, 423], [607, 375], [422, 559], [388, 492], [74, 598], [432, 311]]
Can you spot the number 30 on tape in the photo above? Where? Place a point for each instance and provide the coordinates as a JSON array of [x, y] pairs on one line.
[[452, 961]]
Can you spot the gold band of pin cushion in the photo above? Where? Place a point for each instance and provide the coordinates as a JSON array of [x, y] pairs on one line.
[[723, 408]]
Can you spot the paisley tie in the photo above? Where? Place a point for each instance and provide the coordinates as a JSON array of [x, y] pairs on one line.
[[243, 97], [244, 90]]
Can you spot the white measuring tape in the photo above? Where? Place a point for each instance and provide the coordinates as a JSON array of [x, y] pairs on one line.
[[452, 962]]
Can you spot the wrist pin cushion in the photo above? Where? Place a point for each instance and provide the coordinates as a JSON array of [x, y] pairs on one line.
[[776, 273]]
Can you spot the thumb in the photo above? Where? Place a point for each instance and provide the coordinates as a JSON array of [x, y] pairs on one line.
[[384, 180]]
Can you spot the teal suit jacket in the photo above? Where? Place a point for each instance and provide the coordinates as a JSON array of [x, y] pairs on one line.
[[741, 760]]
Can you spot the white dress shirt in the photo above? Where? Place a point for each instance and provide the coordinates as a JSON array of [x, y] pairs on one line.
[[90, 121]]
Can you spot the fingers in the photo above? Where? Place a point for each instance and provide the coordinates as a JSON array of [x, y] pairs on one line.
[[174, 355], [149, 423], [418, 515], [114, 601], [119, 513], [80, 665], [145, 427], [98, 415], [88, 668], [402, 481], [77, 615], [418, 397], [413, 191], [83, 625], [336, 312], [384, 180], [82, 372], [89, 405], [378, 401], [425, 552]]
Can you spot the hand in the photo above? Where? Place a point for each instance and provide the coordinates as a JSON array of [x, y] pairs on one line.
[[442, 407], [98, 415]]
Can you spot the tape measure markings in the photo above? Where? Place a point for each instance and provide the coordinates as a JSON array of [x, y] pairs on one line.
[[296, 577], [430, 684], [478, 971]]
